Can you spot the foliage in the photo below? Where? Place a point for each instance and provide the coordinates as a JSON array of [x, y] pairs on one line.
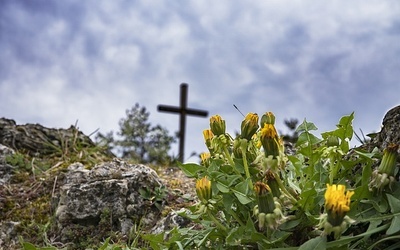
[[138, 140], [260, 198]]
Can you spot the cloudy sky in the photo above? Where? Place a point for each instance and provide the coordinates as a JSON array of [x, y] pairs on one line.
[[63, 61]]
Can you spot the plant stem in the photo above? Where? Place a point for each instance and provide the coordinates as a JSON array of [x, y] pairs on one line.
[[246, 167], [283, 188], [236, 218], [228, 156], [217, 223]]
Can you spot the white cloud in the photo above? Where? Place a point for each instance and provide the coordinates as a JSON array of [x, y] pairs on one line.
[[91, 61]]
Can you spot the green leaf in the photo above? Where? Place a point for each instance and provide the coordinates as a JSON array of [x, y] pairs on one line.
[[306, 126], [318, 243], [394, 203], [191, 169], [228, 199], [106, 242], [224, 182], [241, 192], [179, 245], [348, 239], [307, 199], [289, 224], [28, 246], [394, 226], [308, 138], [346, 127], [205, 237]]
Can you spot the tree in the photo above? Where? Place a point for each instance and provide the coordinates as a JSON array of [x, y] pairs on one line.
[[292, 125], [138, 139]]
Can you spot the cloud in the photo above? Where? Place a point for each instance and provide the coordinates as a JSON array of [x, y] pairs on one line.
[[92, 60]]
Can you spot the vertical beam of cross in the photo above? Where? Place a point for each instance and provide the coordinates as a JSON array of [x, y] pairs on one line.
[[183, 111]]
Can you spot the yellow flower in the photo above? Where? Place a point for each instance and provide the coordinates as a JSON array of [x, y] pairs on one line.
[[203, 189], [269, 140], [207, 134], [337, 203], [217, 125], [204, 157], [249, 126]]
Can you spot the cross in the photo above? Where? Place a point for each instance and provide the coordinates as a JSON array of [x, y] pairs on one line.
[[183, 111]]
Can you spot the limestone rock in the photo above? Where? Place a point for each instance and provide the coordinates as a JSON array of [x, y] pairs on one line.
[[6, 170], [390, 132], [36, 139], [114, 189], [169, 222]]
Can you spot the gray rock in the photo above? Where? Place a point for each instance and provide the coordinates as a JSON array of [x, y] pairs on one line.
[[111, 188], [169, 222], [390, 132], [6, 170], [8, 234]]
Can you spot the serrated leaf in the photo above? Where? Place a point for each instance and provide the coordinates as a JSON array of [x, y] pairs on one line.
[[318, 243]]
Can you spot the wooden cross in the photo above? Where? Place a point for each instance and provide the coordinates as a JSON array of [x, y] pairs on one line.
[[183, 111]]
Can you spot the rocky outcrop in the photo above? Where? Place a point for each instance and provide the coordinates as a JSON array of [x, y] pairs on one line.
[[390, 132], [37, 140], [124, 193]]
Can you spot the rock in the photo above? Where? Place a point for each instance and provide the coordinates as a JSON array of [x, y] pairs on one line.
[[6, 170], [122, 193], [169, 222], [36, 139], [8, 234], [390, 132]]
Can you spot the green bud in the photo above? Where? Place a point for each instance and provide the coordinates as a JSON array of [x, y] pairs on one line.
[[388, 163], [264, 197], [217, 125], [270, 140], [273, 183], [267, 118], [332, 141], [249, 126]]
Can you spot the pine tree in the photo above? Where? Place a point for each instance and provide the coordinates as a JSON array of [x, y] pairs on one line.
[[138, 140]]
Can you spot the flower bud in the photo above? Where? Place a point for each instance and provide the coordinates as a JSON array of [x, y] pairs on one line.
[[332, 141], [249, 126], [267, 118], [269, 140], [208, 136], [388, 163], [217, 125], [203, 189], [384, 175], [205, 157], [265, 200], [268, 210], [272, 183]]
